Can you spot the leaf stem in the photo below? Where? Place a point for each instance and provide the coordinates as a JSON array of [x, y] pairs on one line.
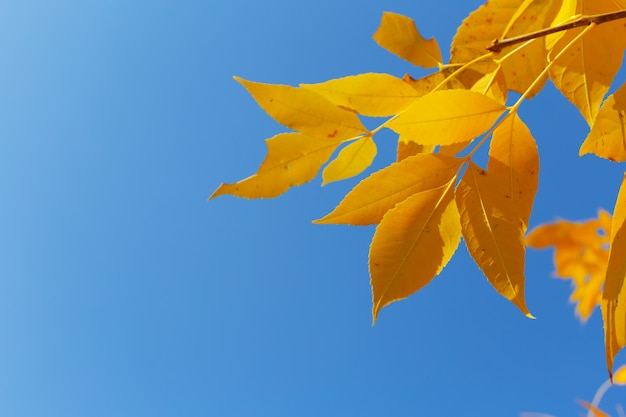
[[598, 19]]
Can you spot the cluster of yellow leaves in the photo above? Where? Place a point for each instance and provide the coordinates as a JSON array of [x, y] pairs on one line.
[[580, 254], [435, 194]]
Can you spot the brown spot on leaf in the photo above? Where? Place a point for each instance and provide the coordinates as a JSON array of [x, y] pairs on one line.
[[332, 134]]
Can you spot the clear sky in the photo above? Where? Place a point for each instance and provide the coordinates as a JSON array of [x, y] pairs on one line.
[[124, 293]]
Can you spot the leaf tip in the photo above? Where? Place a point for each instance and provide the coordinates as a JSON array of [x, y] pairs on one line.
[[217, 192]]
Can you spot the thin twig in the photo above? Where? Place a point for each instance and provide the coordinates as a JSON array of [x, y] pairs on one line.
[[499, 45]]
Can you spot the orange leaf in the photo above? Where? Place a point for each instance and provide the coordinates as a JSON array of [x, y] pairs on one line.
[[398, 35], [292, 159], [447, 117], [493, 232], [607, 138], [368, 202], [513, 158], [413, 243], [305, 111]]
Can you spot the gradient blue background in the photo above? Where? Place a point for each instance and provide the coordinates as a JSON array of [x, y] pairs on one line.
[[123, 292]]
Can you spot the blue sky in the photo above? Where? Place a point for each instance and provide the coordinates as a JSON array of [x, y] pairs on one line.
[[123, 292]]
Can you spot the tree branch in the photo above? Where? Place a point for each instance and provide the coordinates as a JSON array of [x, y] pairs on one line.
[[499, 45]]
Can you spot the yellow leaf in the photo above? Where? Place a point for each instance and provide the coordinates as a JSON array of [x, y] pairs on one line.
[[493, 85], [408, 148], [480, 28], [351, 161], [445, 79], [585, 72], [613, 305], [493, 233], [413, 243], [447, 117], [374, 95], [500, 19], [619, 377], [514, 159], [398, 35], [305, 111], [292, 159], [368, 202], [607, 138]]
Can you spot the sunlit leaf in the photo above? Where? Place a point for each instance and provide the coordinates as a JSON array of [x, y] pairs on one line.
[[351, 161], [412, 244], [368, 202], [447, 117], [607, 138], [305, 111], [292, 159], [514, 159], [500, 19], [493, 232], [613, 305], [398, 35], [585, 72], [369, 94]]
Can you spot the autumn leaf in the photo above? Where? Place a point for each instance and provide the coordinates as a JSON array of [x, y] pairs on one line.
[[447, 117], [408, 148], [444, 79], [498, 19], [613, 305], [607, 138], [585, 72], [351, 161], [399, 35], [580, 255], [368, 202], [305, 111], [492, 84], [513, 158], [292, 159], [374, 95], [493, 232], [413, 243]]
